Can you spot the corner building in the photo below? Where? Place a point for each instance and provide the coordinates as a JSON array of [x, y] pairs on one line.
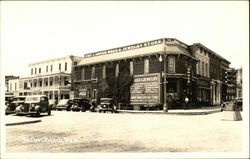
[[145, 62]]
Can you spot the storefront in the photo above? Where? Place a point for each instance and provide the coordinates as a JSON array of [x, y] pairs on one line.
[[203, 92]]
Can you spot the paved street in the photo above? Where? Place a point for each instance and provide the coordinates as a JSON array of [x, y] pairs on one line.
[[98, 132]]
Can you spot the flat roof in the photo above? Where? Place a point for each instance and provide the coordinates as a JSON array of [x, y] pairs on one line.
[[54, 59]]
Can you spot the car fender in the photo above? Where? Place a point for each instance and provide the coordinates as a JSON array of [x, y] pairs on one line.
[[37, 107], [18, 108]]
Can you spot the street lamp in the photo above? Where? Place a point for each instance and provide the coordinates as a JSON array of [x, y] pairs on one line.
[[165, 105]]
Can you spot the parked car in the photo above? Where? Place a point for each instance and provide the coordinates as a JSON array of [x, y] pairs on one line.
[[16, 101], [52, 104], [64, 104], [34, 105], [107, 104], [8, 99], [80, 104]]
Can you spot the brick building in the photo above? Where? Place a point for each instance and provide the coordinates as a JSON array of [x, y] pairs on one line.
[[144, 61], [191, 70]]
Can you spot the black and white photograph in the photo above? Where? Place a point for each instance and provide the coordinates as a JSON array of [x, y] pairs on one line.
[[124, 79]]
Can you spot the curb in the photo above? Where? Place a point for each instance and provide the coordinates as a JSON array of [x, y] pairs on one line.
[[21, 123], [171, 113]]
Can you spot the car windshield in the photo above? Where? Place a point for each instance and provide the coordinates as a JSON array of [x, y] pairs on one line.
[[106, 101], [80, 100], [52, 101], [19, 99], [63, 102], [32, 99]]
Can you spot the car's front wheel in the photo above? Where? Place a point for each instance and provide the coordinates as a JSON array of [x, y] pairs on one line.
[[49, 112], [38, 113]]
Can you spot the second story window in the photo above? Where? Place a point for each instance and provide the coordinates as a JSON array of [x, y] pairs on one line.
[[31, 71], [59, 66], [35, 70], [206, 70], [202, 70], [65, 66], [171, 64], [51, 68], [47, 68], [39, 70]]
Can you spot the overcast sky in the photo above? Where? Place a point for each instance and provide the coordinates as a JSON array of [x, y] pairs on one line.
[[36, 31]]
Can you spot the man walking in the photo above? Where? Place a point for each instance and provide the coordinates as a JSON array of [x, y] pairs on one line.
[[186, 102]]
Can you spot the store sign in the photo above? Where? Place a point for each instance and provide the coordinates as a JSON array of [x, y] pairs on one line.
[[145, 89], [203, 83], [125, 48]]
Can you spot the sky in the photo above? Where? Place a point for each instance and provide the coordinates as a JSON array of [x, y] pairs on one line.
[[37, 31]]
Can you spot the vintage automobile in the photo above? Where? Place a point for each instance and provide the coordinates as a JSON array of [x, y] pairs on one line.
[[52, 104], [8, 99], [16, 101], [64, 104], [80, 104], [34, 105], [107, 104]]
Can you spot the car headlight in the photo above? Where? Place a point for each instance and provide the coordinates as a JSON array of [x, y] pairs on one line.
[[32, 105]]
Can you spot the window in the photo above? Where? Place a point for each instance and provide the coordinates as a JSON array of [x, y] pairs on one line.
[[59, 66], [146, 66], [75, 63], [34, 84], [197, 68], [47, 68], [15, 86], [10, 86], [51, 83], [46, 83], [206, 70], [171, 64], [94, 93], [202, 71], [31, 71], [51, 68], [65, 66], [40, 83], [35, 70], [39, 70]]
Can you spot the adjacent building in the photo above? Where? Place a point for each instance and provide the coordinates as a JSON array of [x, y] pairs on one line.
[[211, 68], [46, 77], [11, 85], [239, 82]]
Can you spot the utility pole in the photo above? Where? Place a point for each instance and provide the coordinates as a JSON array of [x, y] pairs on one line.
[[165, 104]]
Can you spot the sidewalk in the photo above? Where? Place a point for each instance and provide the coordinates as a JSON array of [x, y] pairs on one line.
[[12, 119], [197, 111]]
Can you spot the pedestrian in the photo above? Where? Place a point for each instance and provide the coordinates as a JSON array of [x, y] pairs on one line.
[[186, 102]]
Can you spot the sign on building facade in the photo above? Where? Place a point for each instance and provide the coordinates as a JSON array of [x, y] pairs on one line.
[[145, 90]]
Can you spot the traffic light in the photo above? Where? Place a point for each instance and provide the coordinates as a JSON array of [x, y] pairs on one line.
[[230, 77], [188, 75]]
